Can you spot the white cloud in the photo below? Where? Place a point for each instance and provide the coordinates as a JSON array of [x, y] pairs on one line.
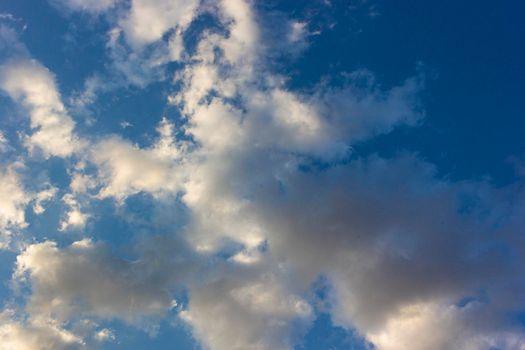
[[105, 335], [433, 327], [146, 36], [36, 334], [3, 142], [124, 169], [42, 197], [248, 312], [241, 45], [13, 201], [84, 98], [147, 21], [367, 226], [75, 218], [33, 86], [92, 6], [385, 234]]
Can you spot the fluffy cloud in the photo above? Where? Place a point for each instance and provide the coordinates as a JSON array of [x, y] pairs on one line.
[[378, 231], [32, 85], [84, 278], [147, 36], [42, 197], [13, 200], [43, 333], [432, 326], [271, 201], [75, 218], [37, 334], [147, 21], [124, 169], [250, 311]]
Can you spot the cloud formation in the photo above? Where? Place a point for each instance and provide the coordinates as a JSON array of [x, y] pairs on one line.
[[13, 200], [85, 279], [33, 86], [271, 200]]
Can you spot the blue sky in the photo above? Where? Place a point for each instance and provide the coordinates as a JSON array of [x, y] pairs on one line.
[[235, 174]]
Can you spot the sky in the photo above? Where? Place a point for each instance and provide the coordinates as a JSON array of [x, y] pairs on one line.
[[252, 175]]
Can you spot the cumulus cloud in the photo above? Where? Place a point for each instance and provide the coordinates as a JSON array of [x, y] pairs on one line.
[[84, 278], [38, 334], [252, 310], [377, 229], [33, 86], [74, 218], [146, 36], [251, 129], [272, 202], [148, 21], [42, 333], [13, 200], [432, 326], [124, 169]]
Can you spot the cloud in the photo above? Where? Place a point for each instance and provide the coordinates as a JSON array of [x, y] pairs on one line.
[[145, 37], [360, 109], [36, 334], [147, 21], [268, 199], [91, 6], [74, 218], [378, 231], [42, 197], [33, 86], [85, 279], [41, 333], [124, 169], [10, 45], [251, 311], [13, 200], [250, 129], [241, 45], [3, 143], [432, 326]]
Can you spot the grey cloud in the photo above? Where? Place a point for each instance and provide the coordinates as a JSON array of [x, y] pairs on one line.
[[85, 278], [247, 308]]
